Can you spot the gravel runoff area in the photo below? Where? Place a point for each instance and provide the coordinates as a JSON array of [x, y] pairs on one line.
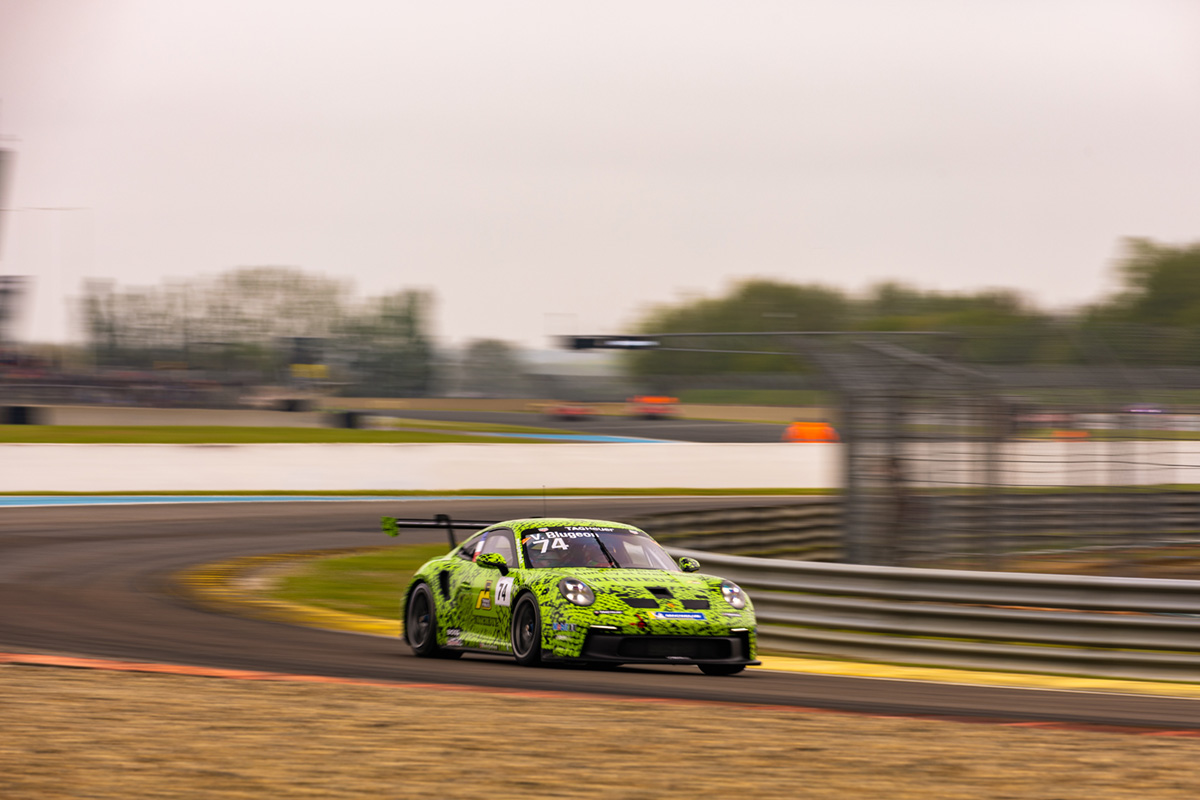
[[82, 733]]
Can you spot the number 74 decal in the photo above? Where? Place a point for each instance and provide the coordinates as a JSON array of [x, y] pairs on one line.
[[504, 592], [503, 595]]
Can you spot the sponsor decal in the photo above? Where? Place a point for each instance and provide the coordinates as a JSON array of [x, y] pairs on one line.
[[504, 592], [678, 615], [568, 532], [600, 611], [730, 614], [484, 600], [564, 638], [563, 626], [454, 637]]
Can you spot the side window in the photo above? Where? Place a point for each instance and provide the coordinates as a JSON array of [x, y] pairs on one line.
[[501, 541], [470, 548]]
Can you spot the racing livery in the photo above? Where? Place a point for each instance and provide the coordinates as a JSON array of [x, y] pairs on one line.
[[579, 590]]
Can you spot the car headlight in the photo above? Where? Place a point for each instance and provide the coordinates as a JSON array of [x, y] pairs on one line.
[[733, 594], [577, 591]]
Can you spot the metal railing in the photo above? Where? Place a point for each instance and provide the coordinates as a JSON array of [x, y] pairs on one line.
[[809, 530], [1024, 528], [1115, 627]]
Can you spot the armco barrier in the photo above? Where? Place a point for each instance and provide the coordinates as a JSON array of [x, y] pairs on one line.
[[1018, 524], [808, 530], [1115, 627]]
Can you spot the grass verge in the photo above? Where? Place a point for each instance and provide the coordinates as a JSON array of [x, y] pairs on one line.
[[756, 397], [369, 583], [209, 434]]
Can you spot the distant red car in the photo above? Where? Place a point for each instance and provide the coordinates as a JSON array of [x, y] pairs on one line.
[[572, 411], [654, 407]]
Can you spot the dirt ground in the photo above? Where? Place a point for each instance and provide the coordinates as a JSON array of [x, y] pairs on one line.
[[67, 733]]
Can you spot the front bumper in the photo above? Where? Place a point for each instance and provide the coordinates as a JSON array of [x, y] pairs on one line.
[[651, 648]]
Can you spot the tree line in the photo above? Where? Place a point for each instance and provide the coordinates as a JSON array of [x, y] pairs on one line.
[[282, 325], [1154, 319], [257, 322]]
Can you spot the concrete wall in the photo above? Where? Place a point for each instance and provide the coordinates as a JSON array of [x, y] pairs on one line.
[[1058, 463], [357, 467]]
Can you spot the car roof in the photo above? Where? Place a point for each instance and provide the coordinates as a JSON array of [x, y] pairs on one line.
[[519, 525]]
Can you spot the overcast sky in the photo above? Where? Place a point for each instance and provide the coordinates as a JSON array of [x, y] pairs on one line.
[[558, 167]]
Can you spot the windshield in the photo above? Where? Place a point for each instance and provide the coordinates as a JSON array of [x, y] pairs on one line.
[[590, 546]]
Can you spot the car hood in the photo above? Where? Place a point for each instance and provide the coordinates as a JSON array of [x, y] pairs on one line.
[[636, 582]]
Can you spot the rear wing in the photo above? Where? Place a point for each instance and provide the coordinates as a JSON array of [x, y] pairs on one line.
[[392, 526]]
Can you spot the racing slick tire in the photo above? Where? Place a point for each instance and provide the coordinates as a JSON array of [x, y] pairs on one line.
[[527, 631], [420, 625], [721, 669]]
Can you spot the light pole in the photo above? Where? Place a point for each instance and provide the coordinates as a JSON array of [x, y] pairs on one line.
[[11, 289], [59, 322]]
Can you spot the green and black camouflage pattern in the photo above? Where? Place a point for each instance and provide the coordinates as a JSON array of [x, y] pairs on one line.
[[474, 603]]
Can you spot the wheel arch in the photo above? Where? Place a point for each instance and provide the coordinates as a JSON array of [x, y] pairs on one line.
[[408, 593]]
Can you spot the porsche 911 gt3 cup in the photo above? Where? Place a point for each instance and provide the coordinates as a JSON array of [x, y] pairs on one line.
[[576, 590]]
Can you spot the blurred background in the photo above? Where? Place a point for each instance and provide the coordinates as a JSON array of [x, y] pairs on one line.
[[959, 231]]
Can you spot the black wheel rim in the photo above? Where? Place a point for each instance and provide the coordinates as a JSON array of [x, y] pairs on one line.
[[418, 619], [524, 639]]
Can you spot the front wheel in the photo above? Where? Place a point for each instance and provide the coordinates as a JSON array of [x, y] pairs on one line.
[[527, 632], [721, 669]]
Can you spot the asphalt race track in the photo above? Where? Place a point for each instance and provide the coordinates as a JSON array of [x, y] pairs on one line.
[[95, 581], [679, 430]]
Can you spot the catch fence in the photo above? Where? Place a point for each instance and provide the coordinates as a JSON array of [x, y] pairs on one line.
[[954, 462]]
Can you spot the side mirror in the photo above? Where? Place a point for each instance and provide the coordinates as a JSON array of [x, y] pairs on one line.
[[689, 564], [492, 561]]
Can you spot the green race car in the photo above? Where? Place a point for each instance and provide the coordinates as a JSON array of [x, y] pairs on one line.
[[576, 590]]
